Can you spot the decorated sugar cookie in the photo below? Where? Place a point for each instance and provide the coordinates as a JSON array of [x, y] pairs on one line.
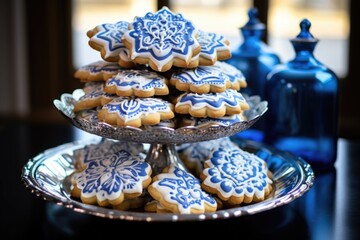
[[140, 83], [104, 148], [187, 121], [162, 40], [92, 99], [213, 47], [203, 79], [236, 176], [214, 105], [237, 78], [180, 192], [106, 38], [111, 179], [97, 71], [136, 112]]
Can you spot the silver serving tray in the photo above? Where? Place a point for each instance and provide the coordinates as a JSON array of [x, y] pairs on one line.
[[164, 135], [47, 176]]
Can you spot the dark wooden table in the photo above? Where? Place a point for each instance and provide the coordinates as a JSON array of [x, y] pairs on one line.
[[329, 210]]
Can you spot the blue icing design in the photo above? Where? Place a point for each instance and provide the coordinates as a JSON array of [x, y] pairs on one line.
[[183, 189], [161, 35], [202, 151], [111, 34], [137, 79], [201, 75], [107, 178], [229, 98], [130, 107], [100, 67], [232, 72], [234, 172], [210, 43]]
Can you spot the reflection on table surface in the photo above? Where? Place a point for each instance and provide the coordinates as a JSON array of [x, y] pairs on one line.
[[329, 210]]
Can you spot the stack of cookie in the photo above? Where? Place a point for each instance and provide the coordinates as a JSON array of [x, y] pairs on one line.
[[160, 67]]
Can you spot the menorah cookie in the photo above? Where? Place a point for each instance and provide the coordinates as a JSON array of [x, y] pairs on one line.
[[136, 112]]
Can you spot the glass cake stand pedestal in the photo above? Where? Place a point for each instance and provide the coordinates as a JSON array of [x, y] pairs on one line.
[[48, 174]]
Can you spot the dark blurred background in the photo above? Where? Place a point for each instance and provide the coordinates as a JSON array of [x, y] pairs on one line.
[[43, 42]]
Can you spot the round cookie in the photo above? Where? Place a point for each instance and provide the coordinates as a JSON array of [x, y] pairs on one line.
[[214, 105], [162, 40], [136, 112], [112, 178], [97, 71], [180, 192], [236, 176], [106, 38], [213, 47], [140, 83]]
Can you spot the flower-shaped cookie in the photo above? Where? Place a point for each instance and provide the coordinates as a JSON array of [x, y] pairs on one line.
[[106, 38], [203, 79], [214, 105], [162, 39], [236, 176], [97, 71], [104, 147], [108, 180], [136, 112], [140, 83], [180, 192]]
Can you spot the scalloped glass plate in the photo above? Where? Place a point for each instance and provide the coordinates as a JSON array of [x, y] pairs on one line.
[[47, 176], [202, 130]]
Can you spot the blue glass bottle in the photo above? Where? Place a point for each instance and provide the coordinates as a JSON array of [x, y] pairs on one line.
[[302, 96], [255, 59]]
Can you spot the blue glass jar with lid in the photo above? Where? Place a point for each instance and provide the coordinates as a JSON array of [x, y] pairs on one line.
[[302, 96], [255, 59]]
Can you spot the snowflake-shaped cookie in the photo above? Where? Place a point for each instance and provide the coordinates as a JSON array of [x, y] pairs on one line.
[[106, 38], [180, 192], [132, 111], [162, 39], [213, 47], [140, 83], [108, 180], [237, 78], [236, 176]]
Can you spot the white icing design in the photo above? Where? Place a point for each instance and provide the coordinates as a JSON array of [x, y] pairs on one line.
[[216, 101], [210, 44], [162, 36], [236, 173], [129, 108], [182, 189], [109, 36], [232, 72], [112, 175], [143, 80]]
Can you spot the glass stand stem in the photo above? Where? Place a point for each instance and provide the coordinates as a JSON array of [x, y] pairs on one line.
[[161, 156]]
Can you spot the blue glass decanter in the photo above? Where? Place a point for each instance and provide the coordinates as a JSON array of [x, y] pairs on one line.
[[255, 59], [302, 96]]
